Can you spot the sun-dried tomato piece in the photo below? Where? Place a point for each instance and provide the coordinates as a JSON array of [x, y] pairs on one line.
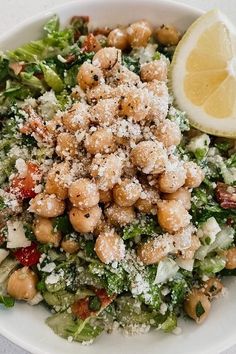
[[226, 195]]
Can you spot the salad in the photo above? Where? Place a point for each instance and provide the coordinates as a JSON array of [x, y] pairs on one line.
[[114, 211]]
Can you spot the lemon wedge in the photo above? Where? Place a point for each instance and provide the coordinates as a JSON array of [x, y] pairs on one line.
[[203, 74]]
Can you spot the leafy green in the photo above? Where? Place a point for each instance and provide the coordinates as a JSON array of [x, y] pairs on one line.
[[32, 81], [7, 301], [62, 224], [178, 288], [170, 323], [223, 146], [131, 63], [145, 226], [15, 91], [115, 282], [4, 71], [30, 52], [52, 78], [129, 312], [180, 118], [52, 25], [59, 300], [200, 154], [231, 162], [94, 303], [80, 331], [29, 233], [205, 206], [156, 56], [212, 265]]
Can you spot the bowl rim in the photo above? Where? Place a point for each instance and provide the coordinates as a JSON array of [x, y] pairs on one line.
[[224, 344], [47, 13]]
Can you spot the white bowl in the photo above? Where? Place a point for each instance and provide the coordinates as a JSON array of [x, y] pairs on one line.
[[24, 325]]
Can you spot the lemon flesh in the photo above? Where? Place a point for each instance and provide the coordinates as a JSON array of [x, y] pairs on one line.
[[203, 74]]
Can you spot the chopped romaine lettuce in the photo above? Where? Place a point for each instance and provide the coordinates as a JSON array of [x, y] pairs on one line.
[[59, 300], [212, 265], [7, 301], [52, 78], [65, 326], [170, 323]]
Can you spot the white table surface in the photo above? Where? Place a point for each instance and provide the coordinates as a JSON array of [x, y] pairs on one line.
[[14, 11]]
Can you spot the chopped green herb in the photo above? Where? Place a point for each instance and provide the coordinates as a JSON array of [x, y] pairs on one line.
[[94, 303], [199, 309], [7, 301], [62, 224]]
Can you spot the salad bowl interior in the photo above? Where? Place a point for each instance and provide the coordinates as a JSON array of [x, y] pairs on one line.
[[24, 325]]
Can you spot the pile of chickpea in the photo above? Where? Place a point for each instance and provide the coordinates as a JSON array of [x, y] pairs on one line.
[[103, 179]]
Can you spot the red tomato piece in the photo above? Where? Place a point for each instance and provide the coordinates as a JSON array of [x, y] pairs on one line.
[[28, 256], [81, 308], [104, 297], [24, 186]]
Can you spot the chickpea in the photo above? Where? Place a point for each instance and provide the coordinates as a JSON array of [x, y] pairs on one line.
[[182, 195], [158, 88], [101, 141], [107, 58], [123, 76], [127, 192], [212, 287], [159, 101], [154, 250], [118, 38], [168, 35], [197, 305], [134, 103], [67, 145], [120, 216], [101, 227], [104, 112], [148, 200], [231, 258], [168, 133], [106, 169], [91, 43], [149, 157], [76, 118], [83, 193], [45, 233], [109, 247], [139, 34], [172, 216], [70, 246], [189, 253], [54, 126], [47, 205], [22, 284], [105, 196], [89, 76], [155, 70], [85, 220], [194, 175], [170, 181], [56, 182], [99, 92]]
